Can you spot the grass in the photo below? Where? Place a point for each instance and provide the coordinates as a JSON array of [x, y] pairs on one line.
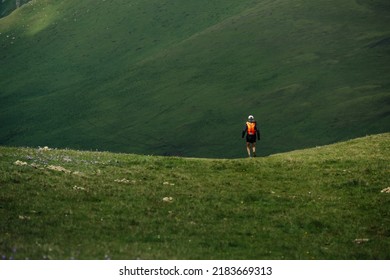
[[307, 204], [180, 78]]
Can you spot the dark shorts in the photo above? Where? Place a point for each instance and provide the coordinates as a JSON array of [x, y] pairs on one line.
[[251, 138]]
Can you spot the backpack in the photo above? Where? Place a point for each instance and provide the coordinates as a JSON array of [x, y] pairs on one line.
[[251, 128]]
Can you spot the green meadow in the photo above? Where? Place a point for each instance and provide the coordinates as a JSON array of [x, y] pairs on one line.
[[179, 78], [120, 129], [329, 202]]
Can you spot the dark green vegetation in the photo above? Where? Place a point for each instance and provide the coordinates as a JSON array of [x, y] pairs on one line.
[[180, 77], [321, 203], [7, 6]]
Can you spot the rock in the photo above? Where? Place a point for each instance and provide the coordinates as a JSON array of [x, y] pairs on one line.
[[76, 188], [386, 190], [24, 217], [361, 240], [168, 199], [58, 168], [125, 181]]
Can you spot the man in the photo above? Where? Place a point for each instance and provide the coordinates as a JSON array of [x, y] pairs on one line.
[[252, 132]]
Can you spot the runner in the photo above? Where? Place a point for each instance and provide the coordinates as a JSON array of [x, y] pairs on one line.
[[252, 132]]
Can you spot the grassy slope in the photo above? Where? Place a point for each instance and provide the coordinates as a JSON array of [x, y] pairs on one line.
[[307, 204], [160, 77]]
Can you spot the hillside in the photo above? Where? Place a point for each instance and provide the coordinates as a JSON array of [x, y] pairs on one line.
[[180, 77], [329, 202]]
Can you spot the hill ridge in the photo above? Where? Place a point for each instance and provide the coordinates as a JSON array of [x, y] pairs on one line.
[[383, 138], [202, 32]]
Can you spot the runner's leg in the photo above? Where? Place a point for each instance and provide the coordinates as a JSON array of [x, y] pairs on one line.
[[248, 148]]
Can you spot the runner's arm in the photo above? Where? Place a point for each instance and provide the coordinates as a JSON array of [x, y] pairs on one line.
[[244, 131]]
